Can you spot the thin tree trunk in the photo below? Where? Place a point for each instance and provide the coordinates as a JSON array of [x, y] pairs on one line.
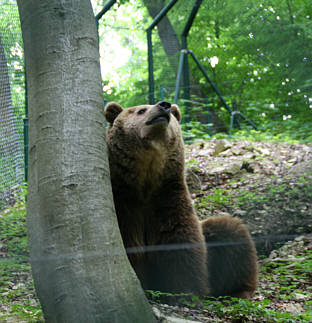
[[166, 32], [79, 265], [291, 17]]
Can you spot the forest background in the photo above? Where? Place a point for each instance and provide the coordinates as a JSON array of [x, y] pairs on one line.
[[258, 53]]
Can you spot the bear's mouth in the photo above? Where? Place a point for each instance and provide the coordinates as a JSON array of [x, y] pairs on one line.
[[159, 118]]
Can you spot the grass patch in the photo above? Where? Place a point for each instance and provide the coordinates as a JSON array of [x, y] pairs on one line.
[[283, 281], [18, 302], [270, 194]]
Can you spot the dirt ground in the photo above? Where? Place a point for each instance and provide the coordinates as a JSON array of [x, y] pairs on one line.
[[268, 185]]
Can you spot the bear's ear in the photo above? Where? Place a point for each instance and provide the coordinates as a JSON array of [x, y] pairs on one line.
[[176, 112], [111, 111]]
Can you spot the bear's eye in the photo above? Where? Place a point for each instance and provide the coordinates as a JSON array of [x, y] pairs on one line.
[[142, 111]]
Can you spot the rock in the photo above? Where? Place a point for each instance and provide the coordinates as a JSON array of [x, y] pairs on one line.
[[221, 145], [203, 153], [240, 213], [217, 170], [300, 296], [231, 169], [192, 180], [237, 151], [173, 319], [224, 214], [226, 153], [163, 318], [264, 151], [294, 309], [301, 169], [234, 168], [249, 155]]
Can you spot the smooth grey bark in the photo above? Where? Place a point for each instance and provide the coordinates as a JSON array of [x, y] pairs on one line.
[[79, 265]]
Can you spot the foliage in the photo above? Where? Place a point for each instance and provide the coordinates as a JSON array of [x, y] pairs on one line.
[[292, 131], [11, 36], [283, 280], [234, 309], [18, 301], [287, 270], [263, 70], [271, 194], [122, 35], [12, 100], [13, 231]]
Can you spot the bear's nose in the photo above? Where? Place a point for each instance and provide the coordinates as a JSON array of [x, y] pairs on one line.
[[165, 106]]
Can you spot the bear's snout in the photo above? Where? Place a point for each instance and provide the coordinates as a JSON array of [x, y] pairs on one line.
[[160, 113], [165, 106]]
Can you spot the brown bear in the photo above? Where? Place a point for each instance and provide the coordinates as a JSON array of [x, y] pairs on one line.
[[163, 237]]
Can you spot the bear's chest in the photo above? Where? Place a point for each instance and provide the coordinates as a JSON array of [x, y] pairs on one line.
[[149, 169], [139, 224]]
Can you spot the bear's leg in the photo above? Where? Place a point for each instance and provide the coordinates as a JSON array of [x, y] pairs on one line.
[[231, 257], [179, 264], [138, 263]]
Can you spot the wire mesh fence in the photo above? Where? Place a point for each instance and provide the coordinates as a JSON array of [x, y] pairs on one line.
[[12, 101], [239, 77], [258, 56], [255, 53]]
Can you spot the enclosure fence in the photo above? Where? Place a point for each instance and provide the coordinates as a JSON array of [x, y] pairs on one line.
[[12, 102]]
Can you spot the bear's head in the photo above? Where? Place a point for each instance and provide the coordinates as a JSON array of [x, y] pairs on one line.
[[145, 143], [144, 123]]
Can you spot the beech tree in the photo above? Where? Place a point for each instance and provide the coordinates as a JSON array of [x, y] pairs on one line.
[[79, 265]]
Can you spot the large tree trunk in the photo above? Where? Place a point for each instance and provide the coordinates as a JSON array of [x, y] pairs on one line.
[[79, 265]]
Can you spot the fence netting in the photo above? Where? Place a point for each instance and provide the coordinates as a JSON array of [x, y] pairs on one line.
[[256, 53], [12, 101]]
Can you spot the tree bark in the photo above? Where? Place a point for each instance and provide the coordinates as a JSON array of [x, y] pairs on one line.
[[79, 265]]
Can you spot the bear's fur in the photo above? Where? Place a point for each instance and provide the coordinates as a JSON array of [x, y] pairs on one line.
[[163, 237], [231, 257]]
